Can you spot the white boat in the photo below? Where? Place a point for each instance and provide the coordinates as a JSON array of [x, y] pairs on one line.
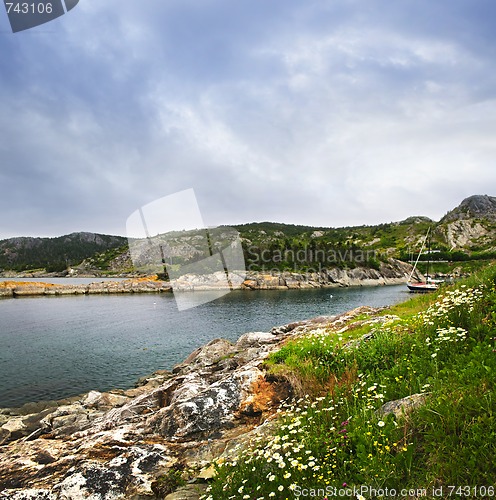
[[429, 285], [422, 286]]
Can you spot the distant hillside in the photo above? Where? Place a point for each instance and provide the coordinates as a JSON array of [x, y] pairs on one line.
[[466, 233], [54, 254]]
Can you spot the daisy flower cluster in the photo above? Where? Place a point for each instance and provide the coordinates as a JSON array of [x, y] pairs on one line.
[[444, 337], [452, 305], [296, 455], [317, 442]]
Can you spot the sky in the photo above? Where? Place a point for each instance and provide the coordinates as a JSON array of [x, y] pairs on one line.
[[317, 112]]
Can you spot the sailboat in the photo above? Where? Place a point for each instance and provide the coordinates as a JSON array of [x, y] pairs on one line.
[[429, 285]]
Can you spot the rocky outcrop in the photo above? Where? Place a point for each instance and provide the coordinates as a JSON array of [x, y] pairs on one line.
[[389, 273], [122, 444], [392, 272]]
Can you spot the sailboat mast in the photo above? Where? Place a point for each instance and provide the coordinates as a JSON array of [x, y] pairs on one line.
[[428, 261], [420, 253]]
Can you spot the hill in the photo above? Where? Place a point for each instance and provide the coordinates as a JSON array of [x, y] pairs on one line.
[[465, 235], [55, 254], [473, 207]]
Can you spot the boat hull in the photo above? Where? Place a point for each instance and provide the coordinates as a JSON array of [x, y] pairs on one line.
[[422, 287]]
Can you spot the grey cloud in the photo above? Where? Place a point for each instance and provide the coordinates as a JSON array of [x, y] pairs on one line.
[[296, 112]]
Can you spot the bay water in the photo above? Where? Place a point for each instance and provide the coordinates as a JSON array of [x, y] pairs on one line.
[[57, 347]]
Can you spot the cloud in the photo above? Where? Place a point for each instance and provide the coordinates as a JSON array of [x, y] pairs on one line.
[[309, 113]]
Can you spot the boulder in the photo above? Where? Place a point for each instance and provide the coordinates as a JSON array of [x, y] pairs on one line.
[[255, 339], [156, 379], [188, 492], [201, 415], [4, 436], [402, 407], [15, 428], [206, 413], [105, 400], [205, 356], [66, 420]]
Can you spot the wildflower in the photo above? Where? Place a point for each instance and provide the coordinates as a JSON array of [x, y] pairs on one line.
[[381, 423]]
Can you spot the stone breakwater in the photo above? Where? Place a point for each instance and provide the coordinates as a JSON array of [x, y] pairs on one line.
[[118, 445], [26, 289]]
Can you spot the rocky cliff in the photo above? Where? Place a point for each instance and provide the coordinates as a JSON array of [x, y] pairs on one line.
[[125, 444], [471, 225]]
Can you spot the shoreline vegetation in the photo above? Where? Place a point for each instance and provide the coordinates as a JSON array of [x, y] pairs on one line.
[[367, 402]]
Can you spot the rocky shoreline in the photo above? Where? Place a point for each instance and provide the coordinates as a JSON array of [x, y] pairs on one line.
[[392, 272], [122, 444]]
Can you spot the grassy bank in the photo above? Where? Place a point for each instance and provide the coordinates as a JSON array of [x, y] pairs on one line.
[[439, 349]]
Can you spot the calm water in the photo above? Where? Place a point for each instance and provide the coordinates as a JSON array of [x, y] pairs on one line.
[[55, 347]]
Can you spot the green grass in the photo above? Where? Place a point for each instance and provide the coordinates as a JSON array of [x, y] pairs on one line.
[[442, 346], [471, 265]]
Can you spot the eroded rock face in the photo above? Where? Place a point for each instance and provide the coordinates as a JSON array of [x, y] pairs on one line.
[[462, 233], [203, 414], [391, 272], [106, 446]]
